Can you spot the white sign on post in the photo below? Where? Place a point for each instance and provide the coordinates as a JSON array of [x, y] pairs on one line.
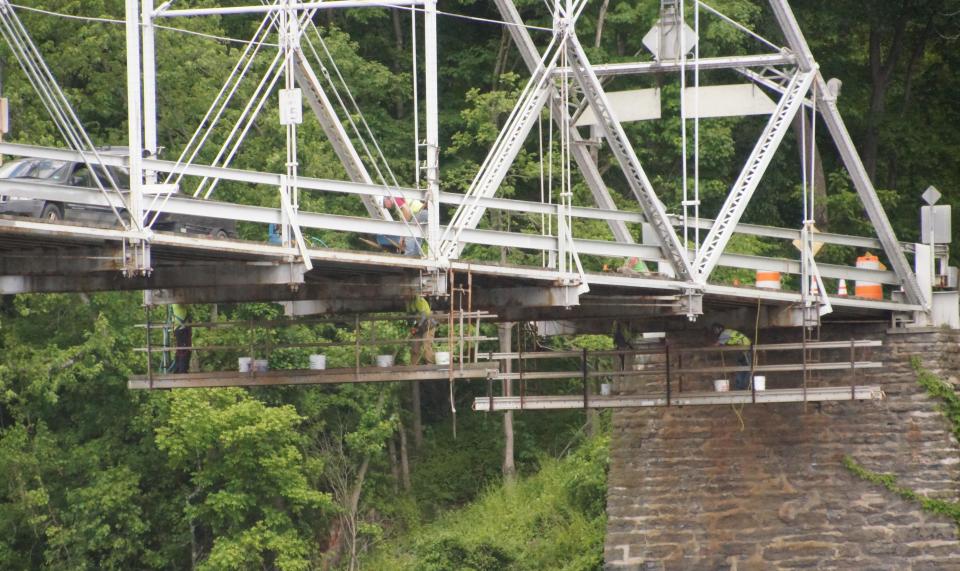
[[291, 106]]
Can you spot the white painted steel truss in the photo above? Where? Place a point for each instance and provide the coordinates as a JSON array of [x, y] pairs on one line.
[[791, 72]]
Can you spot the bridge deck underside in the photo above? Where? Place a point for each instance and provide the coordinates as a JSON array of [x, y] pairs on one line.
[[42, 257]]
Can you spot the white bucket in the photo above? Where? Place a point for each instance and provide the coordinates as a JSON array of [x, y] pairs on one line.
[[442, 357], [384, 360], [261, 365], [760, 382], [721, 385], [318, 362], [604, 389], [243, 363]]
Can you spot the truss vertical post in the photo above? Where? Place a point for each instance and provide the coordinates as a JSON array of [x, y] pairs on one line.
[[139, 263], [827, 105], [149, 87], [433, 128]]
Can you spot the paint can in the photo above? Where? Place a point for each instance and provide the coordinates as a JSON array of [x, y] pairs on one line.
[[243, 363], [760, 382], [442, 357], [384, 360], [261, 365], [721, 385], [768, 280], [604, 389]]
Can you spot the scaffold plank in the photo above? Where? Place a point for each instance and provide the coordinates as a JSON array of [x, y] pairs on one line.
[[310, 377], [553, 402]]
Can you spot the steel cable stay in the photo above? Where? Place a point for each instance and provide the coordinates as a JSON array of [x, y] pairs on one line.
[[504, 149], [57, 104], [223, 99], [373, 160]]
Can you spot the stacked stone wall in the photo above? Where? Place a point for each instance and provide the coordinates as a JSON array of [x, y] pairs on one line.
[[690, 489]]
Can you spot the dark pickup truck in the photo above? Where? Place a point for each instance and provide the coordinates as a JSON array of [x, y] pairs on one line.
[[78, 174]]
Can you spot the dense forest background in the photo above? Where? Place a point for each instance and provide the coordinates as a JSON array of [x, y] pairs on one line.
[[95, 476]]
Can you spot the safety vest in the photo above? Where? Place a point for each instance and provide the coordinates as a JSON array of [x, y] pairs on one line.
[[179, 315], [734, 337]]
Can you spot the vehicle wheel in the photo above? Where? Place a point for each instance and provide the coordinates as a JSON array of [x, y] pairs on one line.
[[52, 213], [221, 234]]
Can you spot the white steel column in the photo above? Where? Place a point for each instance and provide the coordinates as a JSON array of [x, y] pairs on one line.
[[433, 128], [149, 87], [135, 135]]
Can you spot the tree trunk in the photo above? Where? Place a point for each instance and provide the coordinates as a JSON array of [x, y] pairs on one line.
[[417, 416], [397, 64], [505, 332], [881, 74], [404, 458], [601, 17], [394, 465]]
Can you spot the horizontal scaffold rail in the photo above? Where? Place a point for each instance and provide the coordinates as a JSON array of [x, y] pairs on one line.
[[816, 394], [311, 376]]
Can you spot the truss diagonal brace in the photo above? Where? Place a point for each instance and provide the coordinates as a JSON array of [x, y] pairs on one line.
[[591, 174], [501, 156], [627, 157], [827, 106], [333, 128], [746, 184]]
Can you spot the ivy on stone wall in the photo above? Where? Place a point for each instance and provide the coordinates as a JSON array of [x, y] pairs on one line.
[[950, 407]]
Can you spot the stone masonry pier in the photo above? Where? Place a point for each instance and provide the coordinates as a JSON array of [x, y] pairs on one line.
[[689, 489]]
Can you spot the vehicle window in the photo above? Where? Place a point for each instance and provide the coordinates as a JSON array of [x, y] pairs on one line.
[[39, 168], [82, 177]]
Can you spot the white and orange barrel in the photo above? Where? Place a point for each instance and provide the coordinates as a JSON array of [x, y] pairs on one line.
[[768, 280], [869, 290]]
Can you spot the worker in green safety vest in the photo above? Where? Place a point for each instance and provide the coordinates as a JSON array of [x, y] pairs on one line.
[[183, 337], [422, 331], [733, 338]]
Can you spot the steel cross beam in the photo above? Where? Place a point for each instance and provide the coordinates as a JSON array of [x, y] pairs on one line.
[[746, 184], [627, 157], [588, 168], [827, 105]]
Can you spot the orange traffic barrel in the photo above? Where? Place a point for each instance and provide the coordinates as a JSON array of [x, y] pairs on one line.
[[768, 280], [869, 290]]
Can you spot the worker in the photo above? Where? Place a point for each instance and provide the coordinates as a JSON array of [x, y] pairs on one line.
[[633, 266], [183, 337], [733, 338], [415, 211], [422, 330]]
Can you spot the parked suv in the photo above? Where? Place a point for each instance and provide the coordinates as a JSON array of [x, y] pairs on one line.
[[70, 173]]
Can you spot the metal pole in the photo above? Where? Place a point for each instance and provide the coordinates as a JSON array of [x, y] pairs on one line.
[[134, 118], [149, 87], [586, 387], [433, 128], [666, 354], [149, 350]]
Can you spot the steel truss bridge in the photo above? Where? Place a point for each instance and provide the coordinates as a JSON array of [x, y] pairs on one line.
[[686, 246]]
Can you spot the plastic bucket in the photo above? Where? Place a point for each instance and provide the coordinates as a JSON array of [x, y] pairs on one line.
[[261, 365], [759, 382], [243, 363], [721, 385], [604, 389], [442, 357], [318, 362], [384, 360]]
